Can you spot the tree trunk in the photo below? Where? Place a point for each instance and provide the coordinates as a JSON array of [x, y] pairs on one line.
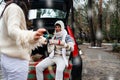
[[92, 35], [117, 22], [99, 30]]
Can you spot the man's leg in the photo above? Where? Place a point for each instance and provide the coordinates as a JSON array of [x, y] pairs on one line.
[[60, 68], [41, 66]]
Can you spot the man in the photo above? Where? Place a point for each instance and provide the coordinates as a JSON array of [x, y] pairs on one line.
[[61, 44]]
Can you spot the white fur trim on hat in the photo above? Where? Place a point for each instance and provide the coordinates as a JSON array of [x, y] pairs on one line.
[[61, 24]]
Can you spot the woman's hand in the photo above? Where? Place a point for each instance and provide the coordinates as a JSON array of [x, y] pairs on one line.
[[39, 33]]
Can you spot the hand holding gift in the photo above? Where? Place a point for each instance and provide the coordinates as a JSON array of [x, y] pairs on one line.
[[58, 42]]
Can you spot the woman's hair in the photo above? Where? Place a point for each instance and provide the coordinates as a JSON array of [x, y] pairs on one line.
[[6, 0], [24, 4]]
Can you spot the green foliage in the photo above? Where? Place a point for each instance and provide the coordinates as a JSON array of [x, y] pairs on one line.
[[79, 41], [115, 29], [116, 47]]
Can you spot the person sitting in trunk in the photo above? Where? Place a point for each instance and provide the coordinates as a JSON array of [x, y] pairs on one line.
[[59, 47]]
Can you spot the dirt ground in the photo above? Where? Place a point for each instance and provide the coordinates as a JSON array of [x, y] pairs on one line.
[[100, 63]]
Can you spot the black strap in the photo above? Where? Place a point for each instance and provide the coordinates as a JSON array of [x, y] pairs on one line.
[[4, 9], [1, 1]]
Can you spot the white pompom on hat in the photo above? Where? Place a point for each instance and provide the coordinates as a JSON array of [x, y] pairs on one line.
[[61, 24]]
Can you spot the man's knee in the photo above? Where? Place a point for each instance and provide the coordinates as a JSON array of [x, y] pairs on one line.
[[39, 68]]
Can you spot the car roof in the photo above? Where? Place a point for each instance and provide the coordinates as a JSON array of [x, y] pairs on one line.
[[64, 5]]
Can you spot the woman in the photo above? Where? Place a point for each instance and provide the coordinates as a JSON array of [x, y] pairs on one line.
[[16, 42], [59, 55]]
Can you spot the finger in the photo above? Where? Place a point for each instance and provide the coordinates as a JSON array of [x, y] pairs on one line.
[[36, 37], [38, 34], [41, 30]]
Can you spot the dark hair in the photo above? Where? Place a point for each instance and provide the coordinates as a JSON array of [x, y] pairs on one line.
[[24, 4], [57, 25], [6, 0]]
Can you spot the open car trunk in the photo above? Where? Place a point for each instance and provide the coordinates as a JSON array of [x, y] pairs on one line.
[[64, 7], [43, 6]]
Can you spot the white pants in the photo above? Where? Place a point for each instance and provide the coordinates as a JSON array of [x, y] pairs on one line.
[[13, 68], [60, 66]]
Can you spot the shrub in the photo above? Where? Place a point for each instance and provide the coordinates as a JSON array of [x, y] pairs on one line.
[[116, 47]]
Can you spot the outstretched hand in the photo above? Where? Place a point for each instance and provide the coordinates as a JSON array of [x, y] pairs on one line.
[[39, 33]]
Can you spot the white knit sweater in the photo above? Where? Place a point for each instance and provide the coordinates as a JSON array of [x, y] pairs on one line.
[[15, 39]]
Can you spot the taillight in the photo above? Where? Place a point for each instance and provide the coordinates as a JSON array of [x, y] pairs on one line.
[[76, 51]]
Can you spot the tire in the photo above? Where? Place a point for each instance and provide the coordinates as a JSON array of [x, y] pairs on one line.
[[76, 73]]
